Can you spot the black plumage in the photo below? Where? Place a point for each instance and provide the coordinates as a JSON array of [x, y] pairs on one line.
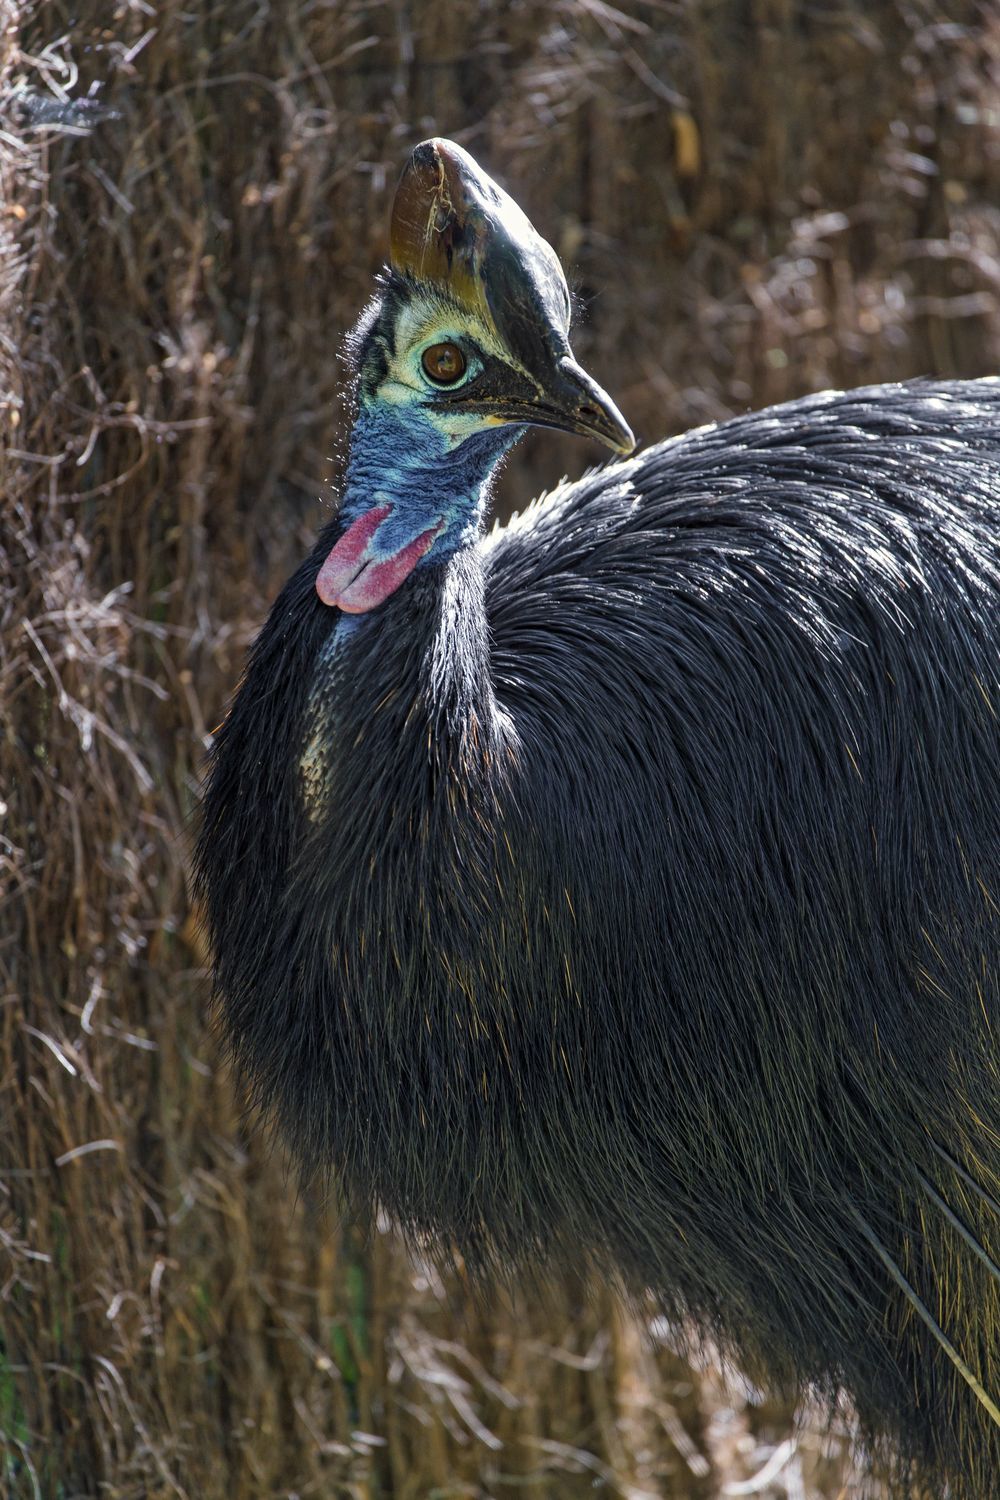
[[628, 885]]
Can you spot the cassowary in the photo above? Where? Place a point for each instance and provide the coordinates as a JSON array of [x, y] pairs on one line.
[[625, 883]]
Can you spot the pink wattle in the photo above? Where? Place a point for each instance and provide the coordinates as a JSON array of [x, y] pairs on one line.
[[355, 580]]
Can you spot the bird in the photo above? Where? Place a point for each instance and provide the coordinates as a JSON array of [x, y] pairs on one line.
[[621, 885]]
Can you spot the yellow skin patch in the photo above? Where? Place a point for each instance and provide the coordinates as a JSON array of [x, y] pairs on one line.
[[314, 768], [427, 320]]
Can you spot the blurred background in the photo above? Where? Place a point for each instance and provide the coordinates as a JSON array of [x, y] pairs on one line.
[[753, 199]]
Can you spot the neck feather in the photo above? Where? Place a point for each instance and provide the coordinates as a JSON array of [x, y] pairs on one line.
[[407, 751]]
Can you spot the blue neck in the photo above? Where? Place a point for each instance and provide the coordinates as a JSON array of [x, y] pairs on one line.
[[400, 458]]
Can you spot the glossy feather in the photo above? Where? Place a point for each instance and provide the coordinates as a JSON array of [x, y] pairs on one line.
[[628, 886]]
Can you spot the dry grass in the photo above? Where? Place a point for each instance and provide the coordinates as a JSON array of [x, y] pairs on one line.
[[754, 208]]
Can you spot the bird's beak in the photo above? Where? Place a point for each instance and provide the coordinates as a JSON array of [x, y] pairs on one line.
[[593, 413], [572, 401], [454, 228]]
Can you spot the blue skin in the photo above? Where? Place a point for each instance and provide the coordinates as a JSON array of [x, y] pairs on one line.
[[400, 458]]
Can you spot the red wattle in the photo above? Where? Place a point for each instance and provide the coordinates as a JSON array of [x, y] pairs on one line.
[[345, 560], [354, 580], [380, 579]]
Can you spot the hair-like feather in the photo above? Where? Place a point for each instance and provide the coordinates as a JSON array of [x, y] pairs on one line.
[[628, 885]]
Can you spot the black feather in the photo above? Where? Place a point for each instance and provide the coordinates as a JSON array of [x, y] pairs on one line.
[[646, 901]]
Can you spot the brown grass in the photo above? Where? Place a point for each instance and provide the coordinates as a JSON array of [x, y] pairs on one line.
[[757, 200]]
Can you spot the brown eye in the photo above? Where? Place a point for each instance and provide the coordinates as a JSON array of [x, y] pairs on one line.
[[444, 363]]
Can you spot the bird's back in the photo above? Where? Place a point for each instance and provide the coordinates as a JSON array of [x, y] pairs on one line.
[[840, 474], [756, 672], [784, 630]]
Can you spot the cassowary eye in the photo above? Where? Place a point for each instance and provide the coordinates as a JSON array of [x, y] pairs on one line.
[[444, 363]]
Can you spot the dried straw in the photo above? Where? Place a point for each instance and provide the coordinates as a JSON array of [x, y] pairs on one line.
[[756, 202]]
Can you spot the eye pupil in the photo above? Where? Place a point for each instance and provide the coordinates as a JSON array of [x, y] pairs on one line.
[[444, 363]]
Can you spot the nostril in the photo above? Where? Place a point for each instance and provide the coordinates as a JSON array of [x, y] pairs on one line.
[[590, 412]]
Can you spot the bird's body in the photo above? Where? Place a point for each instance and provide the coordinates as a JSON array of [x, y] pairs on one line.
[[626, 883]]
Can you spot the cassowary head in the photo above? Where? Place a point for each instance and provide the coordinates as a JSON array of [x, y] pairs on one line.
[[466, 344]]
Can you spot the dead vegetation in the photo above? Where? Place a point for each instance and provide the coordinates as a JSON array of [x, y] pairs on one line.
[[756, 201]]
